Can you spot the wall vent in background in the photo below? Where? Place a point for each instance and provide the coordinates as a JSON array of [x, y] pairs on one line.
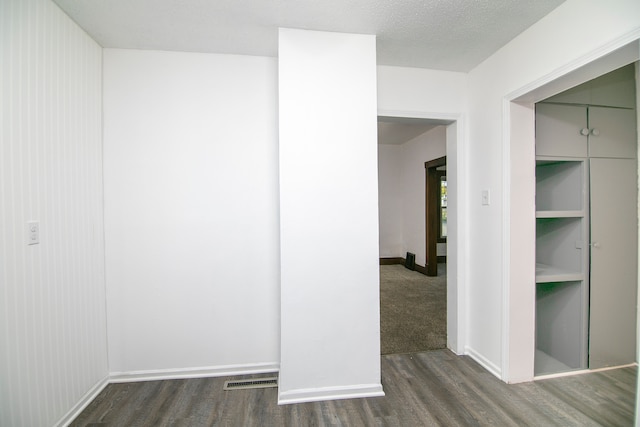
[[251, 383]]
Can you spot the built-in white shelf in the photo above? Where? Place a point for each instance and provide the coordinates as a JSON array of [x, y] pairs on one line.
[[560, 214], [560, 339], [547, 273], [560, 185], [561, 256], [559, 249]]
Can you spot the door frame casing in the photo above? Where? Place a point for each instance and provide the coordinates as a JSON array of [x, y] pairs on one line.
[[457, 248], [432, 213]]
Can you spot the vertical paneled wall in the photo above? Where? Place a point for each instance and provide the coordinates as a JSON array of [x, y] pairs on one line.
[[52, 297]]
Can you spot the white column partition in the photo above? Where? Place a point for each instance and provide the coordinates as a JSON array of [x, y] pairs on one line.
[[330, 327]]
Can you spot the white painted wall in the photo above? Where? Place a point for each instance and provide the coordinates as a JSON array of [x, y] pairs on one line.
[[330, 340], [499, 297], [191, 213], [421, 92], [53, 343], [390, 200]]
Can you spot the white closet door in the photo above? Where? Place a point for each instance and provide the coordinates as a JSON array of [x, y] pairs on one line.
[[612, 133], [614, 231], [558, 130]]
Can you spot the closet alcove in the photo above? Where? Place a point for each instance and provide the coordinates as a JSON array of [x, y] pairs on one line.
[[586, 225]]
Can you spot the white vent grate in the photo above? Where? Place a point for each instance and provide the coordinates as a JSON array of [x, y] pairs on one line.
[[251, 383]]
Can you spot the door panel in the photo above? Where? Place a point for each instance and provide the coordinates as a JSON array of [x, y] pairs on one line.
[[612, 133], [558, 130], [612, 329]]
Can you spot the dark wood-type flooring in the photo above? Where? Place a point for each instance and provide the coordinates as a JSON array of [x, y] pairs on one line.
[[434, 388]]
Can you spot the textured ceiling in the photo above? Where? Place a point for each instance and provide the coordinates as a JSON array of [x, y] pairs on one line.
[[451, 35]]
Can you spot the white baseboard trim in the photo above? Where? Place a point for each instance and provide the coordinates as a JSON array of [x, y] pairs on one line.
[[484, 362], [330, 393], [581, 372], [519, 380], [453, 350], [175, 374], [83, 403]]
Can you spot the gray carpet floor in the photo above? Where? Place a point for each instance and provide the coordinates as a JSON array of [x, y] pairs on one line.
[[413, 310]]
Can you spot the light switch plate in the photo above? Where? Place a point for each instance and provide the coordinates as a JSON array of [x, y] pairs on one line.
[[486, 198], [33, 232]]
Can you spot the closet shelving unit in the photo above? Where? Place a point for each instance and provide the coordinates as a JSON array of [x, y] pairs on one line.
[[586, 225], [561, 259]]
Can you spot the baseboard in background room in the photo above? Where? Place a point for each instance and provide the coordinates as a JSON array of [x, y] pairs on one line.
[[392, 261], [402, 261]]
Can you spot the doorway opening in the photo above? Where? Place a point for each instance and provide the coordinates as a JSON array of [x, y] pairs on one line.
[[414, 312]]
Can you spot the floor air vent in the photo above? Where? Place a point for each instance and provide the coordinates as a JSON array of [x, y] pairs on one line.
[[251, 383]]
